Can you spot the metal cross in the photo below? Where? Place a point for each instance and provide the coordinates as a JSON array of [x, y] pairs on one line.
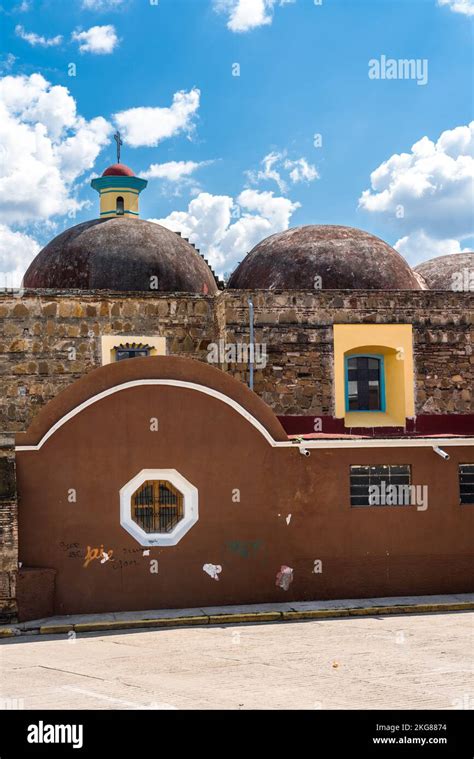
[[118, 140]]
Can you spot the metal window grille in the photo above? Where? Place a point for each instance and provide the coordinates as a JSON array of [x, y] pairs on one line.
[[466, 483], [157, 506], [131, 350], [362, 477]]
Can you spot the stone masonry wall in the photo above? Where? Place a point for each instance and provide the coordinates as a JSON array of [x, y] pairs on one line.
[[297, 329], [8, 531], [37, 331]]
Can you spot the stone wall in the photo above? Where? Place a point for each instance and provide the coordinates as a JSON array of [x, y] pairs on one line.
[[37, 333], [8, 531], [297, 329]]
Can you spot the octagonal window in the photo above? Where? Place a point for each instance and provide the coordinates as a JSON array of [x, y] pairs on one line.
[[157, 506]]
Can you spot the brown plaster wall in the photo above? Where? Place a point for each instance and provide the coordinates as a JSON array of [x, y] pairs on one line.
[[365, 552], [35, 593]]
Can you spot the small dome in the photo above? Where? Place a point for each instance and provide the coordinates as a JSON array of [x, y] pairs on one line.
[[343, 257], [120, 254], [443, 272], [118, 170]]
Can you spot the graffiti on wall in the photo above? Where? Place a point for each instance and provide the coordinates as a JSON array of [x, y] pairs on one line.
[[244, 548]]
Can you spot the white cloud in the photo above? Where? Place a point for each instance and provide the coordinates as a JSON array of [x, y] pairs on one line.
[[244, 15], [36, 39], [173, 171], [226, 230], [78, 151], [44, 146], [101, 5], [269, 172], [428, 191], [459, 6], [17, 250], [301, 171], [275, 163], [7, 63], [149, 126], [419, 247], [100, 40]]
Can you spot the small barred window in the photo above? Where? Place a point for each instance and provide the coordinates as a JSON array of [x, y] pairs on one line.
[[386, 485], [466, 483], [157, 506], [131, 350]]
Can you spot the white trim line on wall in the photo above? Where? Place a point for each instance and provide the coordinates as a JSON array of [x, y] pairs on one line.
[[322, 443]]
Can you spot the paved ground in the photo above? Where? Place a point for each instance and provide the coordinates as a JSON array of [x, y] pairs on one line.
[[392, 662]]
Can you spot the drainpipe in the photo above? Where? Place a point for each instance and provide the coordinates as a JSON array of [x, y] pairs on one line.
[[251, 313]]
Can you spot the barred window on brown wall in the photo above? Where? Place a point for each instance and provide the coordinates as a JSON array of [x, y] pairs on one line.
[[157, 506], [363, 477], [466, 483]]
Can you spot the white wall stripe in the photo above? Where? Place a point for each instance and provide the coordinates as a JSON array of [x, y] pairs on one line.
[[309, 444]]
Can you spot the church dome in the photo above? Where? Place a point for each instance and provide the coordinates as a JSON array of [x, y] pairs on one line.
[[118, 170], [443, 272], [121, 254], [343, 258]]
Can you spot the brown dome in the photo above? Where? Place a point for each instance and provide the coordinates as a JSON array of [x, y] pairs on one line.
[[438, 272], [120, 254], [343, 257]]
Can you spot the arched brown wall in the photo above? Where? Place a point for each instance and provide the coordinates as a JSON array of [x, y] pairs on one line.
[[364, 552]]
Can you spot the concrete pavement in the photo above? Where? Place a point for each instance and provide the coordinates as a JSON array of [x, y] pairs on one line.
[[414, 661]]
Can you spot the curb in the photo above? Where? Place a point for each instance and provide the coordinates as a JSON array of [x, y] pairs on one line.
[[9, 632], [242, 618]]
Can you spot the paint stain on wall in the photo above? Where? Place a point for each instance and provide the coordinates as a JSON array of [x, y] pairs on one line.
[[213, 570], [284, 577]]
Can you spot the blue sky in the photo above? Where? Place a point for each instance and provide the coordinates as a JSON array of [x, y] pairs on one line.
[[304, 71]]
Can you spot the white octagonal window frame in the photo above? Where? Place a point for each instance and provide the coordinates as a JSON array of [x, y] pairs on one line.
[[191, 507]]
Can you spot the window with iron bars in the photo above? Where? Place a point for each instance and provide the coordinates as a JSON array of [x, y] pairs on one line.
[[131, 350], [362, 477], [157, 506], [466, 483]]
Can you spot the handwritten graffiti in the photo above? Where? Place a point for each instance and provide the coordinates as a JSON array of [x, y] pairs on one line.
[[125, 564], [88, 554], [73, 550], [97, 553]]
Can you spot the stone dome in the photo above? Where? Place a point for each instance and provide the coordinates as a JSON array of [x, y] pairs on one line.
[[343, 257], [120, 254], [438, 272], [118, 170]]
